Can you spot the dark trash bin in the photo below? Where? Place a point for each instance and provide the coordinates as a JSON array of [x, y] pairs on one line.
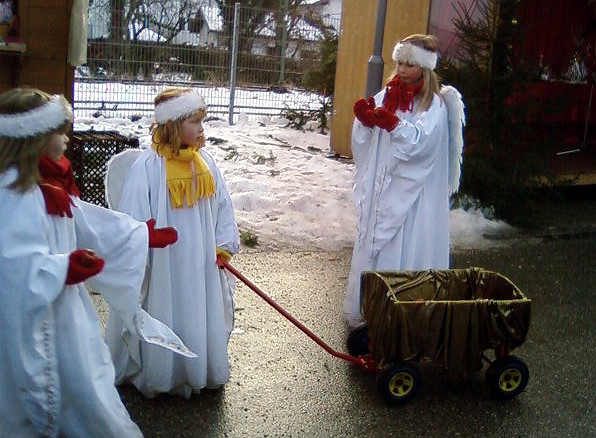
[[89, 151]]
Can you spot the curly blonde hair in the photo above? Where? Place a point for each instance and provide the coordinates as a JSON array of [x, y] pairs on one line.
[[431, 80], [24, 153], [168, 134]]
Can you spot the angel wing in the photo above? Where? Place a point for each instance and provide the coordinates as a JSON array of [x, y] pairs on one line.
[[457, 121], [117, 167]]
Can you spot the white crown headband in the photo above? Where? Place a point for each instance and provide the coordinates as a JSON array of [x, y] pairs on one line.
[[179, 107], [411, 54], [45, 118]]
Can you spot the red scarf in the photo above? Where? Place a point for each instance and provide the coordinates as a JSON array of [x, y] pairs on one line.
[[400, 95], [58, 173], [57, 183]]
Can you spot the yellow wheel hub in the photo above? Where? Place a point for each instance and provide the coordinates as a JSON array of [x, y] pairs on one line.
[[401, 384], [510, 379]]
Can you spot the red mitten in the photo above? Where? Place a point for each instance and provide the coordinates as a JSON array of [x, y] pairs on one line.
[[385, 119], [364, 111], [82, 264], [160, 237], [56, 199]]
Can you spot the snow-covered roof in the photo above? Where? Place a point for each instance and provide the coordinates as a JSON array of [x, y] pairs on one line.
[[145, 35], [300, 29], [212, 15]]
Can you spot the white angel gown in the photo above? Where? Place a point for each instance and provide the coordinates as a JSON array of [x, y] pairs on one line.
[[183, 287], [401, 195], [56, 373]]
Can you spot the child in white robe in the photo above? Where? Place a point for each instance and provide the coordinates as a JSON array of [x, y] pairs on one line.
[[177, 182], [56, 374], [405, 171]]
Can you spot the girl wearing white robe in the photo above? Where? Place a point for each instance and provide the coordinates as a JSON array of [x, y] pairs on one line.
[[401, 185], [183, 287], [56, 374]]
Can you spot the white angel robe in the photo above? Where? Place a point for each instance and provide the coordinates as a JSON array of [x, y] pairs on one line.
[[183, 287], [401, 197], [56, 373]]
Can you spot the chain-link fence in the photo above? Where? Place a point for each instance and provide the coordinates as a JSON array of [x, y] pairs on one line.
[[242, 59]]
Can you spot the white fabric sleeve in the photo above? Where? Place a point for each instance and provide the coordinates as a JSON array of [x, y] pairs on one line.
[[226, 231], [31, 279], [123, 243], [362, 136], [411, 139], [361, 140]]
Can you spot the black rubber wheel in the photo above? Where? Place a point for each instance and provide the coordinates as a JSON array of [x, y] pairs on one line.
[[506, 378], [357, 342], [398, 384]]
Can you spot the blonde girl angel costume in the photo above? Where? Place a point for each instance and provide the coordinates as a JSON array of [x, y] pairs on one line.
[[407, 164], [56, 373], [183, 286]]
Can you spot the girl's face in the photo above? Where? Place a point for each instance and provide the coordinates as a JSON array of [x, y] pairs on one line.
[[191, 131], [409, 73], [56, 146]]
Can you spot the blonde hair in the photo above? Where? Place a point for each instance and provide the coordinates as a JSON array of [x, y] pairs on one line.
[[431, 80], [168, 134], [25, 153]]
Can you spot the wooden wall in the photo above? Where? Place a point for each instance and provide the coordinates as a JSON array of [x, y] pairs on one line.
[[44, 26], [358, 20]]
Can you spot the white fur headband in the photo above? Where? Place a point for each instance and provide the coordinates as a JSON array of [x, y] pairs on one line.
[[41, 120], [179, 107], [407, 52]]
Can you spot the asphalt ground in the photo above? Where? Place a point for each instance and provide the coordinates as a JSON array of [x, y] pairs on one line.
[[284, 385]]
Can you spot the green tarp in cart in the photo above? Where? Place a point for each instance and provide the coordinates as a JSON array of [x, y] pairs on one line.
[[447, 316]]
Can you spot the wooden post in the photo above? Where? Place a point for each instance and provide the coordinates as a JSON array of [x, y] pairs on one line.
[[44, 28], [403, 18]]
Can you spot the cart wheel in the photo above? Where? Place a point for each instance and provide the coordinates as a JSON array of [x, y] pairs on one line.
[[507, 377], [357, 342], [398, 384]]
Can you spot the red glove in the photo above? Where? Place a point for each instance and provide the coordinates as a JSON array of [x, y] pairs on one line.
[[364, 111], [160, 237], [82, 264], [385, 119]]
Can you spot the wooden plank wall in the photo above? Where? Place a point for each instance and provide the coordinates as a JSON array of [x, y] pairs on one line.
[[404, 17], [44, 26]]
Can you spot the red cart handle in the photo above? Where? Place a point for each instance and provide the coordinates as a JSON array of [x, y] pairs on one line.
[[366, 362]]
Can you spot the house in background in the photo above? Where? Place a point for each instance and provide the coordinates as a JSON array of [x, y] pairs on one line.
[[204, 28], [301, 39], [325, 12]]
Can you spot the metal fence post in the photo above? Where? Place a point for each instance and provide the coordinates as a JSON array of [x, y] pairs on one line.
[[233, 63], [374, 74], [284, 32], [205, 55]]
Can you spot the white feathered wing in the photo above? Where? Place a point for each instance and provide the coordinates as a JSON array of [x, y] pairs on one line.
[[116, 169], [457, 121]]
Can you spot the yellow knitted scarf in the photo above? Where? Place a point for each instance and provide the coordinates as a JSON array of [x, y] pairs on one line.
[[179, 175]]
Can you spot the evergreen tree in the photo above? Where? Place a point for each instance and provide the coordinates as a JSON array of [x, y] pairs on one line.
[[505, 156], [322, 78]]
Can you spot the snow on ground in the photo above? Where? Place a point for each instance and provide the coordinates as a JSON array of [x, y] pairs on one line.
[[287, 189]]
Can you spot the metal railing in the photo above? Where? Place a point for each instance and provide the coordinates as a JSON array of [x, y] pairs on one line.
[[133, 54]]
